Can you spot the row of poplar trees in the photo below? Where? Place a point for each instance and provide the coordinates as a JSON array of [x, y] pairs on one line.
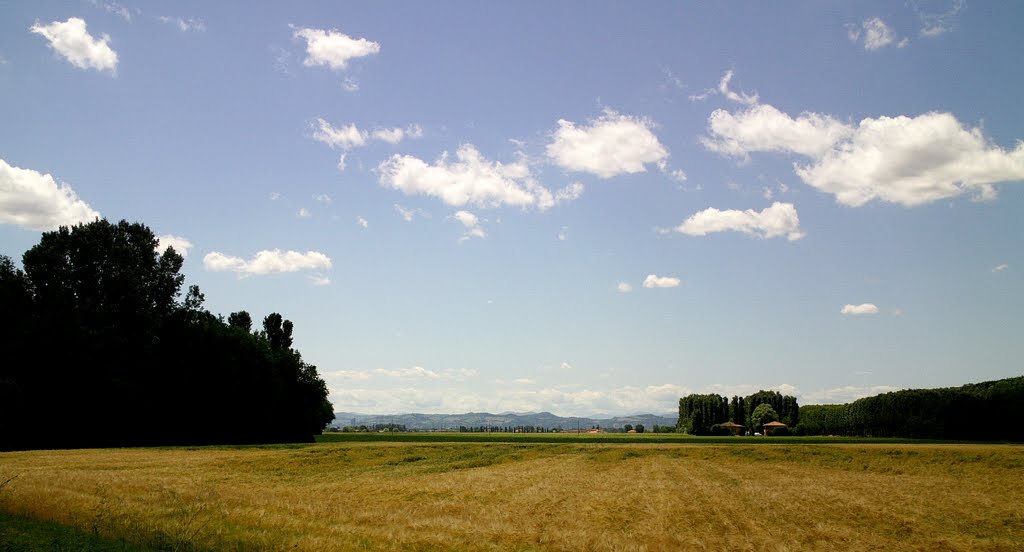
[[702, 414], [101, 348], [979, 411]]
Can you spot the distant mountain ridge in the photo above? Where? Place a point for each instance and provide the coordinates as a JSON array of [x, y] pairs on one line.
[[546, 420]]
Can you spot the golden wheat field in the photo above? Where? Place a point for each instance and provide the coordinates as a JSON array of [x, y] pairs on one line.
[[532, 496]]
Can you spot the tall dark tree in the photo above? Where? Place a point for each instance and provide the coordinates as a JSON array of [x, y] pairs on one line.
[[101, 348], [241, 320]]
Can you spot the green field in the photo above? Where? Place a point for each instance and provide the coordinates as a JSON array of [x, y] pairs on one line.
[[519, 492]]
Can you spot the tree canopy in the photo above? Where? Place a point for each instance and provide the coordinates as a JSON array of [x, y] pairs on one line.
[[102, 348]]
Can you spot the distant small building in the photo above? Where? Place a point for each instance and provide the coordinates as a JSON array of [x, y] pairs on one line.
[[772, 426], [734, 428]]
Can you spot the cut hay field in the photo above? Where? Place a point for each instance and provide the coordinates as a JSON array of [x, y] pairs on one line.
[[530, 496]]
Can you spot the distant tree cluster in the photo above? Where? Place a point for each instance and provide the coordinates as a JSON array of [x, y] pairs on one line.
[[502, 429], [372, 428], [704, 414], [981, 411], [100, 348]]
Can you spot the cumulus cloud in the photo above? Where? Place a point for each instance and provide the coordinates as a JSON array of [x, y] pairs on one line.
[[624, 287], [905, 160], [362, 222], [912, 161], [304, 213], [180, 244], [653, 281], [333, 48], [863, 308], [71, 40], [778, 220], [472, 224], [766, 129], [470, 179], [612, 144], [35, 201], [267, 262]]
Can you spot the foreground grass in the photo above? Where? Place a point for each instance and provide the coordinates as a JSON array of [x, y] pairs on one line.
[[532, 496]]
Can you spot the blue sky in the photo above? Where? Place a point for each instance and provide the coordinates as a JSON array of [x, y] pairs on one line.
[[587, 208]]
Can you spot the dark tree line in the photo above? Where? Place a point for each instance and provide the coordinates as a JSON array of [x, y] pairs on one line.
[[704, 414], [981, 411], [101, 348]]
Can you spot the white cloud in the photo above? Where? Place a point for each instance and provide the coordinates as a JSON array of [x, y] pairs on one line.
[[184, 25], [611, 145], [267, 262], [180, 244], [344, 137], [876, 34], [362, 222], [905, 160], [350, 136], [350, 85], [624, 287], [319, 280], [341, 162], [407, 214], [765, 128], [304, 213], [395, 135], [469, 180], [1000, 268], [33, 200], [863, 308], [740, 97], [678, 175], [472, 224], [935, 24], [322, 198], [778, 220], [333, 48], [71, 40], [912, 161], [274, 196], [414, 372], [118, 10], [572, 192], [653, 281], [563, 233], [662, 398]]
